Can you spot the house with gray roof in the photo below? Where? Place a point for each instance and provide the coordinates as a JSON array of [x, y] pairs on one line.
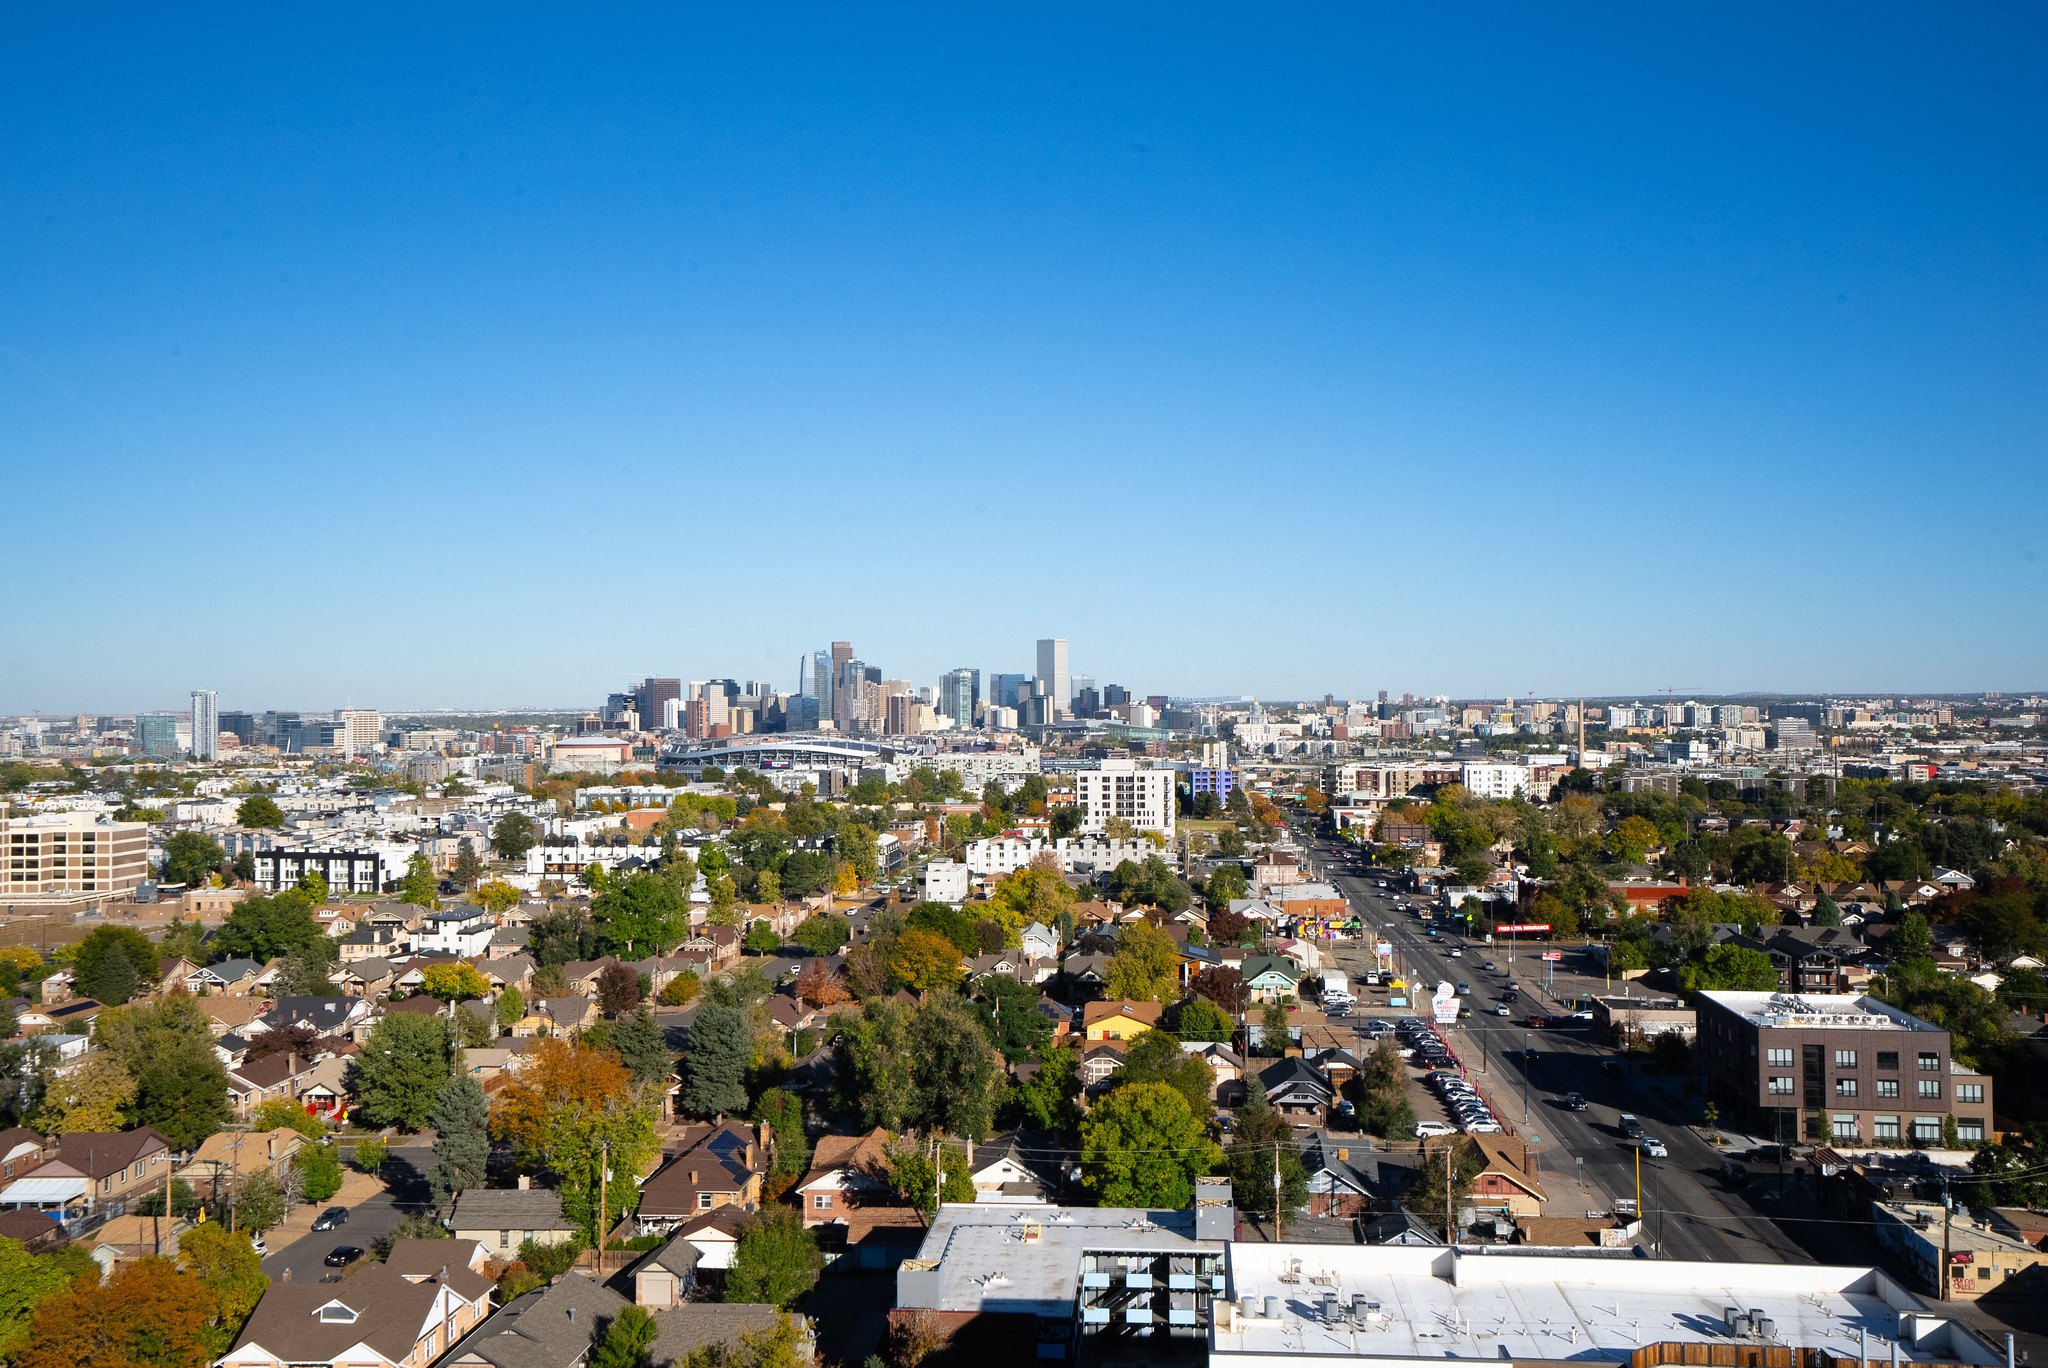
[[502, 1219]]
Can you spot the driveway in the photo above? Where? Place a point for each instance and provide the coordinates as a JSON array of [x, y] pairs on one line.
[[370, 1216]]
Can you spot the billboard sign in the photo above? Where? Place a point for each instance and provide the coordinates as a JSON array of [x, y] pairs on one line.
[[1521, 927], [1444, 1006], [1553, 955]]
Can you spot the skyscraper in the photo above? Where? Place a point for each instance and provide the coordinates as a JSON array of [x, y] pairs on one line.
[[1053, 680], [1004, 689], [205, 724], [156, 734], [648, 697], [956, 697]]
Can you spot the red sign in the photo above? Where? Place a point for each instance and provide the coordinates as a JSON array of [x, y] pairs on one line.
[[1553, 954], [1522, 926]]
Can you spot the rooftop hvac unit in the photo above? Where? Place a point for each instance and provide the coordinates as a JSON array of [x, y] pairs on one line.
[[1330, 1308], [1732, 1321], [1272, 1308]]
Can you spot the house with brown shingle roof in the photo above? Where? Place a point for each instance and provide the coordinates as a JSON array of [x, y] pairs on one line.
[[714, 1166], [403, 1313], [847, 1171]]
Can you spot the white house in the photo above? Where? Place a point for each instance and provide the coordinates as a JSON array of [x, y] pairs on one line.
[[464, 929]]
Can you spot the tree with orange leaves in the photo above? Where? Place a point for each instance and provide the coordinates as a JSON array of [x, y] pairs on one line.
[[820, 985], [573, 1111], [148, 1315]]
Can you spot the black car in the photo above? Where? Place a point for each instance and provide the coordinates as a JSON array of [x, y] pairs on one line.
[[1734, 1174], [330, 1218], [1575, 1101], [341, 1256]]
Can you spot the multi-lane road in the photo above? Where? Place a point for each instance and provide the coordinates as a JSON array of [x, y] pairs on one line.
[[1690, 1211]]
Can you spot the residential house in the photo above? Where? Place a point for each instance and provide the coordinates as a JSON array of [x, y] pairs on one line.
[[226, 1158], [715, 1235], [374, 943], [553, 1326], [1507, 1181], [463, 930], [1297, 1090], [273, 1078], [368, 979], [21, 1150], [1040, 942], [1099, 1062], [72, 1015], [1225, 1064], [847, 1171], [403, 1313], [37, 1231], [666, 1276], [1015, 1170], [1271, 978], [87, 1170], [235, 977], [230, 1015], [502, 1219], [1343, 1175], [1119, 1019], [323, 1016], [714, 1166]]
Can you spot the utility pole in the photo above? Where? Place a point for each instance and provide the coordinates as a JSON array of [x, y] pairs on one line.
[[1276, 1192], [604, 1163]]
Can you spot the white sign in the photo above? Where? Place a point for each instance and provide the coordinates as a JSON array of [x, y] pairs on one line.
[[1445, 1004]]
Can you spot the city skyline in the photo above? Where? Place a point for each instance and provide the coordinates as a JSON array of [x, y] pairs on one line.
[[1558, 352]]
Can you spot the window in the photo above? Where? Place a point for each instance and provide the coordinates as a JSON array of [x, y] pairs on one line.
[[1969, 1092], [1930, 1087], [1887, 1087], [1779, 1058], [1884, 1127], [1970, 1128], [1930, 1063], [1845, 1087], [703, 1201], [1887, 1059], [1845, 1059], [1781, 1083], [1844, 1127], [1926, 1130], [504, 1238], [822, 1202]]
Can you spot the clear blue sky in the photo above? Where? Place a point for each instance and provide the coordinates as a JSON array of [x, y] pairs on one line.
[[400, 357]]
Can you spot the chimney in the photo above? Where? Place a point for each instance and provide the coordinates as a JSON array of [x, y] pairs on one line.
[[693, 1175]]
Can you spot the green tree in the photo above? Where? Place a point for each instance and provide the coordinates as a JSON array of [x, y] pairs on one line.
[[190, 858], [319, 1170], [26, 1282], [419, 887], [639, 915], [461, 1118], [513, 836], [783, 1114], [1008, 1011], [1456, 1162], [682, 990], [715, 1064], [280, 1112], [369, 1155], [266, 928], [956, 1077], [468, 867], [259, 1202], [257, 810], [826, 934], [1826, 912], [1261, 1145], [924, 1183], [761, 938], [401, 1068], [638, 1039], [509, 1008], [776, 1260], [112, 963], [1198, 1018], [858, 846], [181, 1086], [1156, 1057], [1730, 967], [1143, 1146], [231, 1269], [1045, 1099], [1912, 940], [873, 1065], [1144, 966], [625, 1341], [88, 1096]]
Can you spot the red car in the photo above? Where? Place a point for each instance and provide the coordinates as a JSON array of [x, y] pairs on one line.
[[1537, 1022]]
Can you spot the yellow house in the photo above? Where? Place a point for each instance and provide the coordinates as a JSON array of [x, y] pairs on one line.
[[1118, 1020]]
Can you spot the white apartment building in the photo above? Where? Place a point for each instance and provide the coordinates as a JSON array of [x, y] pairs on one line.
[[978, 769], [358, 731], [1120, 788], [362, 869], [947, 881], [1491, 779], [205, 724], [993, 857], [71, 853]]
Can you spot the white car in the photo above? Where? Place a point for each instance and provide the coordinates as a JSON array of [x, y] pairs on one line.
[[1653, 1147], [1425, 1129]]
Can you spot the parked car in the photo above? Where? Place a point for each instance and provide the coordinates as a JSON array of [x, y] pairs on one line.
[[1426, 1129], [341, 1256], [330, 1218], [262, 1247]]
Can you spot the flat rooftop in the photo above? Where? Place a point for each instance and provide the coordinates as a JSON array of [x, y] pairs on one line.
[[1818, 1011], [1435, 1303], [1028, 1260]]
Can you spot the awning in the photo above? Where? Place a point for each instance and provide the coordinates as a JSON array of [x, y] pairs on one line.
[[42, 1192]]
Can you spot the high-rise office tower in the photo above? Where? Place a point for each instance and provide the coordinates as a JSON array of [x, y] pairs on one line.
[[205, 724], [156, 734], [650, 694], [956, 696], [1053, 680], [1006, 690]]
